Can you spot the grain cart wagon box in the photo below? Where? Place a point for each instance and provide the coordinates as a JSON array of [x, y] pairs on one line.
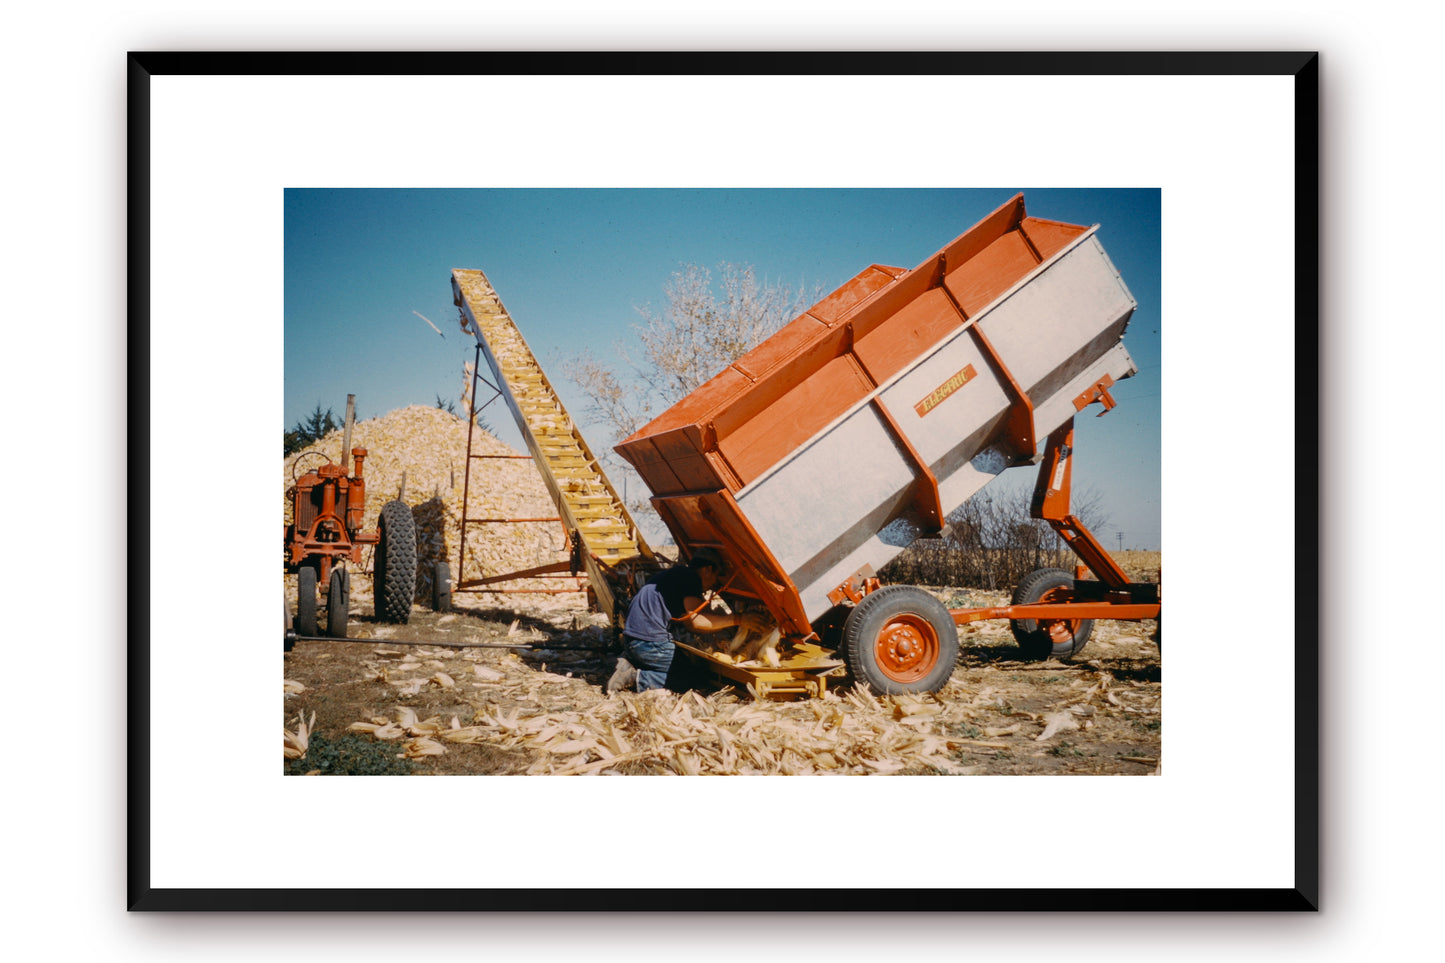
[[817, 457]]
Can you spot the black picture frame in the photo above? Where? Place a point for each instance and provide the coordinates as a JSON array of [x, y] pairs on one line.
[[1304, 67]]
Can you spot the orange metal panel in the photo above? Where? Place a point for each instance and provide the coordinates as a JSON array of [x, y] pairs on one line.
[[903, 336], [968, 244], [682, 451], [781, 377], [760, 442], [683, 519], [878, 309], [694, 409], [1049, 237], [656, 473], [781, 348], [732, 481], [995, 269], [863, 285]]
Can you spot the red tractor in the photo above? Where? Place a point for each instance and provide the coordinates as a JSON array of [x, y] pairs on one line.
[[327, 506]]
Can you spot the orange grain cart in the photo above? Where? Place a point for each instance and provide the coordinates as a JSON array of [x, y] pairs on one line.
[[820, 455]]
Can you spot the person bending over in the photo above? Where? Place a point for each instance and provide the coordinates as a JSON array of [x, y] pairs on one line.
[[672, 596]]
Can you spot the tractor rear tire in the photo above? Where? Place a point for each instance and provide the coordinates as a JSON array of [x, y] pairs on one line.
[[393, 577], [1040, 639], [305, 622], [900, 639], [338, 603], [441, 587], [288, 632]]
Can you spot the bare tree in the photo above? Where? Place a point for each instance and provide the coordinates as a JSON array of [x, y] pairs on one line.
[[703, 325], [621, 406], [994, 542]]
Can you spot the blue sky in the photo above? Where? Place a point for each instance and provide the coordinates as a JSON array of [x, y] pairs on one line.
[[573, 265]]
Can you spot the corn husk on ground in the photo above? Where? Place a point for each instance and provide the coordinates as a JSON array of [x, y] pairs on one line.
[[563, 726], [429, 447], [543, 710], [297, 740]]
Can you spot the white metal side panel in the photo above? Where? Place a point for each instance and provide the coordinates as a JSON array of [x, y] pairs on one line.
[[879, 546], [1050, 328], [841, 477], [956, 425], [1052, 412], [843, 499]]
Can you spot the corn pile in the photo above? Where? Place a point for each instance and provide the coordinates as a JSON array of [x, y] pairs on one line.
[[429, 446]]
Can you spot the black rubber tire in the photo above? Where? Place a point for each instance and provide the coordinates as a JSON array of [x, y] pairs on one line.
[[338, 603], [441, 587], [305, 621], [900, 639], [393, 577], [288, 632], [1038, 639]]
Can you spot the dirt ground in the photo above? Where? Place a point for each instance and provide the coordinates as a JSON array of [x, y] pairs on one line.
[[519, 690]]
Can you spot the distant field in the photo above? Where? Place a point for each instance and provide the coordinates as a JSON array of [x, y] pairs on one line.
[[1139, 566]]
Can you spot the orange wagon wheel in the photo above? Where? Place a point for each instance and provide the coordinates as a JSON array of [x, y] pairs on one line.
[[900, 639], [1041, 639], [907, 648]]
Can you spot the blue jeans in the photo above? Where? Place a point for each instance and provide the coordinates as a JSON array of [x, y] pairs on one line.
[[653, 661]]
